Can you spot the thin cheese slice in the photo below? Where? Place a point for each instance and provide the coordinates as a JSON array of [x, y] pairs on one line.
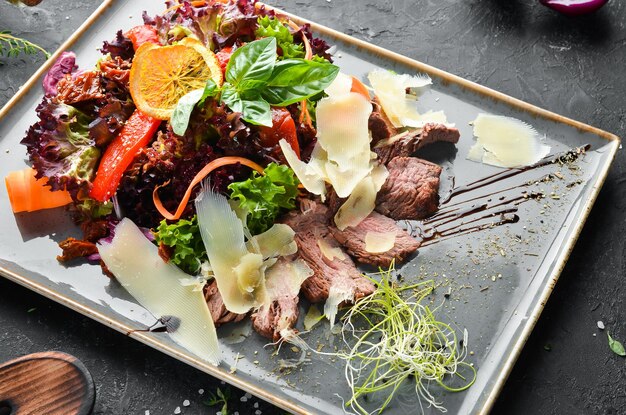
[[156, 285], [239, 273], [379, 242], [390, 89], [506, 142]]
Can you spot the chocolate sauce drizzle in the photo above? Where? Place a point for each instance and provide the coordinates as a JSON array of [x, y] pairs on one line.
[[473, 214]]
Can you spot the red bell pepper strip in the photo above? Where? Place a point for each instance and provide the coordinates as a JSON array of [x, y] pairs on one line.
[[142, 34], [283, 126], [136, 134], [223, 56]]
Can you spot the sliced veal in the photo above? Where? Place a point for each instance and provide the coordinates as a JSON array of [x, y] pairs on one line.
[[377, 241]]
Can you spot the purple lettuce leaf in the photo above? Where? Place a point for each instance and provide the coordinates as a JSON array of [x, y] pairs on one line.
[[60, 148], [65, 64], [120, 46], [217, 25]]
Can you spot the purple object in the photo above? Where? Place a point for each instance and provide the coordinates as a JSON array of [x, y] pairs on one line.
[[574, 7], [66, 63]]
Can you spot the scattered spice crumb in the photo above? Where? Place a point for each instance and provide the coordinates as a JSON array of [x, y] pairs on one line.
[[484, 289]]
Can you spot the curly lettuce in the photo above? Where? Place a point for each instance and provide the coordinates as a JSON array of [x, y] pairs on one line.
[[272, 27], [263, 197], [184, 238], [60, 148]]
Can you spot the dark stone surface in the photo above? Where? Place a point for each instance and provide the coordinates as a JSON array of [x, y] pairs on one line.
[[574, 67]]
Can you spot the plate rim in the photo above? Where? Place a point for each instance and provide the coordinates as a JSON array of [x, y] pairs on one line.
[[447, 77]]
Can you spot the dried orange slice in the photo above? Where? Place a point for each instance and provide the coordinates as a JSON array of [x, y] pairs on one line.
[[161, 75]]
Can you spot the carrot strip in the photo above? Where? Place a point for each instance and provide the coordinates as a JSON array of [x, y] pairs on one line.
[[359, 88], [305, 117], [27, 194], [206, 170]]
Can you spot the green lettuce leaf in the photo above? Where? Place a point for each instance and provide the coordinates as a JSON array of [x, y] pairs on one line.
[[264, 196], [184, 237], [272, 27]]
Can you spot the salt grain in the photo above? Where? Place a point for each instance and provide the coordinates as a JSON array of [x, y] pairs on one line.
[[243, 399], [256, 405], [177, 410], [258, 412], [186, 402], [200, 391], [248, 395], [600, 325], [147, 412]]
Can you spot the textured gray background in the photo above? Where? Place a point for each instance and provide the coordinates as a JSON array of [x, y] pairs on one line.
[[571, 66]]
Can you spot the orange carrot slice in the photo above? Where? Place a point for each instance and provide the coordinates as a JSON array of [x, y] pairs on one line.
[[359, 88], [206, 170], [28, 194], [305, 117]]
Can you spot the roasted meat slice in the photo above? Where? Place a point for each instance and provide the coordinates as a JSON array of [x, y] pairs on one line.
[[333, 270], [218, 310], [276, 319], [377, 226], [411, 190], [379, 124], [407, 143]]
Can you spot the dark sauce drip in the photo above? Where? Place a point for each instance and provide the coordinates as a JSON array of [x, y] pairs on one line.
[[488, 210], [565, 157]]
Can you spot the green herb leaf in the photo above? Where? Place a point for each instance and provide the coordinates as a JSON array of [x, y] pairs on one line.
[[296, 79], [252, 107], [184, 236], [211, 90], [180, 117], [231, 97], [616, 346], [12, 46], [257, 111], [264, 196], [272, 27], [254, 61]]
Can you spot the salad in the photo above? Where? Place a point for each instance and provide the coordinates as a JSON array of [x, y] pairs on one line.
[[222, 167]]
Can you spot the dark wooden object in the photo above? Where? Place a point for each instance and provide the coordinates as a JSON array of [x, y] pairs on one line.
[[48, 383]]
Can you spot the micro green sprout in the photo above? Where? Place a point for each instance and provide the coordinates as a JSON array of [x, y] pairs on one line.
[[391, 340]]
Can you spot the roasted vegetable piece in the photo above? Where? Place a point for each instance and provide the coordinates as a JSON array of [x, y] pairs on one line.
[[142, 34], [137, 133], [283, 126]]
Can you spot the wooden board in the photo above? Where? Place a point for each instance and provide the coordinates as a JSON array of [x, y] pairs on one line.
[[48, 383]]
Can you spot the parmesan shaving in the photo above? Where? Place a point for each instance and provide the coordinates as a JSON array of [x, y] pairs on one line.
[[390, 89], [239, 273], [379, 242], [362, 201], [312, 317], [340, 291], [156, 285], [506, 142], [330, 252], [276, 241]]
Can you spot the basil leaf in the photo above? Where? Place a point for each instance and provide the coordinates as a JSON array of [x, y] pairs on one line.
[[252, 107], [254, 61], [180, 117], [210, 90], [616, 346], [257, 111], [231, 98], [296, 79]]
